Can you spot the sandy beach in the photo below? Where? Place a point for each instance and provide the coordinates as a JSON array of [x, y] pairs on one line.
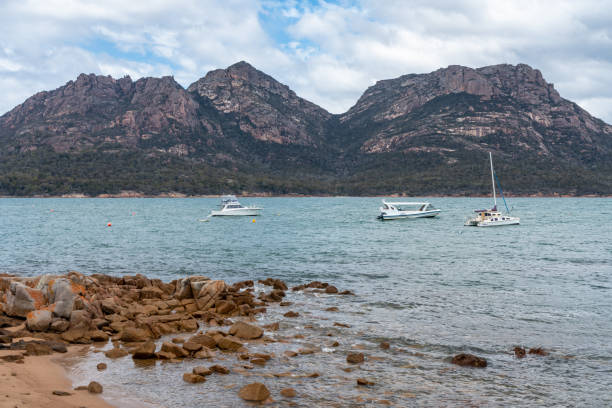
[[32, 383]]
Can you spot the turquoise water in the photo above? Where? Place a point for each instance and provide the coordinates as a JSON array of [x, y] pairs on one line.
[[431, 287]]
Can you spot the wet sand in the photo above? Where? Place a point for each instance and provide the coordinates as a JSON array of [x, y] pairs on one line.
[[31, 383]]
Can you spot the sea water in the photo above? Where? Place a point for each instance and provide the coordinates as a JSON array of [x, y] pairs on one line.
[[432, 288]]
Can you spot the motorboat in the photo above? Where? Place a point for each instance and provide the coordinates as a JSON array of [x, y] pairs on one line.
[[401, 210], [231, 206], [492, 217]]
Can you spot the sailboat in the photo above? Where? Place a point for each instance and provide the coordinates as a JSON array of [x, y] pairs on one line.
[[492, 217]]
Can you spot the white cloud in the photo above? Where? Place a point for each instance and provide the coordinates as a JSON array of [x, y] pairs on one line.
[[329, 53]]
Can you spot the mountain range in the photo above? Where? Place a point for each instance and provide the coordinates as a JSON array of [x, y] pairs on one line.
[[239, 130]]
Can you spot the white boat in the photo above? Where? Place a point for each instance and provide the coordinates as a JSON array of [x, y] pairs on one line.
[[492, 217], [231, 206], [401, 210]]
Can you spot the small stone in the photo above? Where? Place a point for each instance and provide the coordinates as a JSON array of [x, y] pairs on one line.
[[246, 331], [203, 339], [174, 349], [355, 358], [363, 381], [291, 314], [178, 340], [538, 351], [219, 369], [116, 353], [272, 326], [192, 346], [290, 353], [335, 344], [288, 392], [193, 378], [94, 387], [164, 355], [201, 370], [226, 343], [283, 304], [385, 345], [98, 336], [254, 392], [469, 360], [101, 366], [258, 361], [61, 393], [144, 351], [519, 352], [341, 324], [331, 289], [204, 353], [332, 309]]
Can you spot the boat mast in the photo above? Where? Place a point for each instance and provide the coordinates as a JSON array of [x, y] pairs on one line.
[[493, 181]]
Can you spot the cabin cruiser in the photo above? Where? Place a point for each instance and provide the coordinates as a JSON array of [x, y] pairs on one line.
[[492, 217], [231, 206], [400, 210]]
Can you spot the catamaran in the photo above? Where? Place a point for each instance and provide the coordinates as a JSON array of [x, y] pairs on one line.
[[400, 210], [230, 206], [492, 217]]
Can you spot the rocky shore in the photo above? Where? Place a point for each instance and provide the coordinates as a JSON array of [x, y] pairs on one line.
[[190, 319]]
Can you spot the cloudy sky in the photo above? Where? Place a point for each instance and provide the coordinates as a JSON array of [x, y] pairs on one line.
[[327, 51]]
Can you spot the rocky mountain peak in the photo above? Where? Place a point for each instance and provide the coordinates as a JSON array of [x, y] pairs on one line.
[[263, 107]]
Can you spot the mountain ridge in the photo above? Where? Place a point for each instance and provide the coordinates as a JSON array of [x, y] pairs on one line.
[[238, 128]]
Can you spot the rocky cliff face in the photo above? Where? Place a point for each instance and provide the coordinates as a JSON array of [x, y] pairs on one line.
[[263, 107], [504, 108], [94, 110]]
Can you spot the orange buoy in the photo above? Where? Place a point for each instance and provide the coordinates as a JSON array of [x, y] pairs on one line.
[[253, 220], [109, 224]]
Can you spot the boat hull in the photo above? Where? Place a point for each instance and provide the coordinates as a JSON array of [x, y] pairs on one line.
[[500, 223], [409, 214], [252, 212]]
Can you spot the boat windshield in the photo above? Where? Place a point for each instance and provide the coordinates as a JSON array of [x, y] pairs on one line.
[[405, 206]]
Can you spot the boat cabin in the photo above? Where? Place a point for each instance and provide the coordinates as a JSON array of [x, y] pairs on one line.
[[406, 206]]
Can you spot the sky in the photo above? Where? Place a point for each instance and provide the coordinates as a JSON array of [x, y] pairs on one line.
[[328, 52]]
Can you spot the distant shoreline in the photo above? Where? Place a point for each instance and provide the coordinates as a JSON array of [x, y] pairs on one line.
[[267, 195]]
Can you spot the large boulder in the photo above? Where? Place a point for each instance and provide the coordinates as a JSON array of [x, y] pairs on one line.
[[209, 293], [61, 294], [225, 306], [109, 306], [80, 319], [246, 331], [133, 334], [151, 292], [21, 300], [203, 339], [197, 283], [39, 320], [185, 287]]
